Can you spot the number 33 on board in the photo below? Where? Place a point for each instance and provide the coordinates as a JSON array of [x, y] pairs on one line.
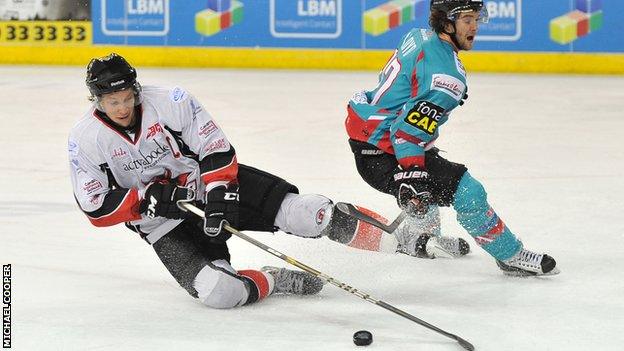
[[45, 32]]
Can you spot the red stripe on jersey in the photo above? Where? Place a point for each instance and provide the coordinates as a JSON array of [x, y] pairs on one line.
[[420, 56], [414, 78], [414, 84], [367, 236], [128, 210], [228, 173], [261, 281], [409, 138]]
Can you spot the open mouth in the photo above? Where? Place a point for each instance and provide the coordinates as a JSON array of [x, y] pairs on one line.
[[470, 38], [123, 119]]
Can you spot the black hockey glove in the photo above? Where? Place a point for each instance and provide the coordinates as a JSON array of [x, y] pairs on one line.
[[161, 200], [221, 209], [413, 190], [464, 98]]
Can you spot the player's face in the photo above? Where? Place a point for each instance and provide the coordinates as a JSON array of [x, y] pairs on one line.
[[119, 107], [466, 26]]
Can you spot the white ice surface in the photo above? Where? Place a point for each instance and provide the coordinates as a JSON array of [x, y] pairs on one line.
[[549, 150]]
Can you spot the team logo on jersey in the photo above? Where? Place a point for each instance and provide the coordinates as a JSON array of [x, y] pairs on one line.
[[425, 116], [153, 130], [320, 215], [449, 85]]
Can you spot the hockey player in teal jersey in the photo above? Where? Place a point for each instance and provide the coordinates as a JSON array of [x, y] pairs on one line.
[[392, 130]]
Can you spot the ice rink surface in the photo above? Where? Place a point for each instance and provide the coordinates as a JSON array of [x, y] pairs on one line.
[[549, 150]]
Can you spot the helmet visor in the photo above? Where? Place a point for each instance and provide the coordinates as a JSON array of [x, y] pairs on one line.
[[484, 17]]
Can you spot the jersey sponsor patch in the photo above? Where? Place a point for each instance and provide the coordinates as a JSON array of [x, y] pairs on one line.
[[118, 152], [177, 94], [449, 85], [217, 145], [207, 129], [91, 186], [425, 116]]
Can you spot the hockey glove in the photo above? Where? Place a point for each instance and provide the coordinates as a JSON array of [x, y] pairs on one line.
[[162, 199], [221, 209], [464, 98], [413, 190]]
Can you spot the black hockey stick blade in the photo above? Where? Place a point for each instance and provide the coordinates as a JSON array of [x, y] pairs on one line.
[[465, 344], [352, 211]]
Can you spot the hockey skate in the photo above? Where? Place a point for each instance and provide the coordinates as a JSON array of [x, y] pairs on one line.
[[527, 263], [294, 282], [420, 236], [431, 246]]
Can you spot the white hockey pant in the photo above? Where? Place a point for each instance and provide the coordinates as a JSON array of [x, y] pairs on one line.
[[218, 286], [304, 215]]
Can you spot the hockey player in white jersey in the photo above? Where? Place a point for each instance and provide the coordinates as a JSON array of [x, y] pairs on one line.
[[141, 151]]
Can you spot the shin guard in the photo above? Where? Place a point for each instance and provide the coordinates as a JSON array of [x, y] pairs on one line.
[[360, 235], [481, 222]]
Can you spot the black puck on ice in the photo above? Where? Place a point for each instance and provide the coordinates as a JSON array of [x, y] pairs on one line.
[[362, 338]]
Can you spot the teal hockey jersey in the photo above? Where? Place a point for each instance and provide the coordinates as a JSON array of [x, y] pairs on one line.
[[419, 86]]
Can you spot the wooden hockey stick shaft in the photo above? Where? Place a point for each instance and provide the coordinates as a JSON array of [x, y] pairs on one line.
[[465, 344]]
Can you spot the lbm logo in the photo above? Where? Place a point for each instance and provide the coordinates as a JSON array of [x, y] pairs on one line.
[[316, 8], [142, 7], [135, 17]]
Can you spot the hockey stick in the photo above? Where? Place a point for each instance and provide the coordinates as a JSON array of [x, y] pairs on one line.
[[463, 343], [352, 211]]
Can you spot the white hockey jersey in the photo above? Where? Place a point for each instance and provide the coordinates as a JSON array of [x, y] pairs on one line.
[[177, 140]]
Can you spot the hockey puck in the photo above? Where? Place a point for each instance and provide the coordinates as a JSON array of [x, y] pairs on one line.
[[362, 338]]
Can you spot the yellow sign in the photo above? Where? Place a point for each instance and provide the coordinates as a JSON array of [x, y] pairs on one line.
[[46, 32]]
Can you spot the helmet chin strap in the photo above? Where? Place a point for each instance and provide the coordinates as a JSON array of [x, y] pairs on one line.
[[453, 36]]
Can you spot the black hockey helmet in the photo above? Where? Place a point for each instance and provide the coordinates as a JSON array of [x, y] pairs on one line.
[[109, 74], [452, 8]]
